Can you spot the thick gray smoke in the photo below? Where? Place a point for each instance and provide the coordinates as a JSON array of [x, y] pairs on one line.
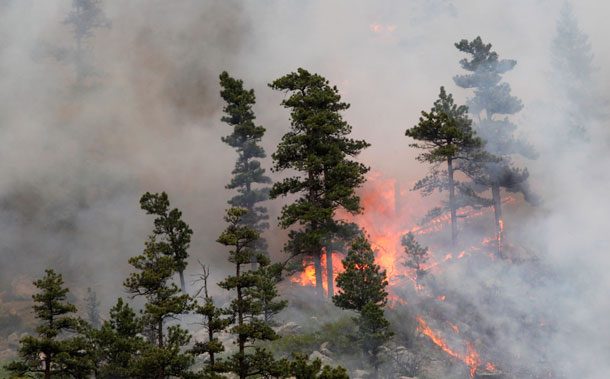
[[75, 158]]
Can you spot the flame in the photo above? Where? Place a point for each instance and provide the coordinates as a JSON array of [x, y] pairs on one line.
[[307, 277], [471, 358], [389, 213]]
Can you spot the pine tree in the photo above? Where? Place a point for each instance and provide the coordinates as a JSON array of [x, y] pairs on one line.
[[84, 17], [362, 289], [493, 98], [92, 305], [215, 321], [153, 280], [248, 172], [265, 292], [246, 308], [300, 368], [319, 149], [52, 353], [447, 137], [172, 234], [572, 76], [120, 342], [415, 255]]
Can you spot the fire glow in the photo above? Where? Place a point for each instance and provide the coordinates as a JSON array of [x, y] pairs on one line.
[[390, 213]]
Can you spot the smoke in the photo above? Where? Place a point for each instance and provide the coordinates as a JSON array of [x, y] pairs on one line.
[[75, 159]]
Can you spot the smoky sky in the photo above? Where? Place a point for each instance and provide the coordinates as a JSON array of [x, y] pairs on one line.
[[75, 161]]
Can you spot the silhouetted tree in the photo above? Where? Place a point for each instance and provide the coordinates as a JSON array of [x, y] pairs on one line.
[[572, 64], [92, 305], [493, 98], [319, 149], [84, 17], [415, 255], [248, 172]]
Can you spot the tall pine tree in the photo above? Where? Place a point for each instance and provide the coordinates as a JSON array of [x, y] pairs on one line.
[[319, 149], [248, 175], [248, 327], [493, 98], [447, 136], [163, 356]]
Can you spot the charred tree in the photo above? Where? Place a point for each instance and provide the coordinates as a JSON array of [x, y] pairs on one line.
[[318, 147]]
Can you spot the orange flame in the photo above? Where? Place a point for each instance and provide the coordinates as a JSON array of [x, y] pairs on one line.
[[471, 358]]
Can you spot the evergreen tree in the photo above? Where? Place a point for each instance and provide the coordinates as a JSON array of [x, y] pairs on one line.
[[84, 17], [248, 172], [214, 322], [362, 289], [172, 234], [265, 292], [493, 98], [447, 136], [572, 64], [120, 342], [92, 305], [156, 267], [416, 255], [52, 353], [246, 308], [319, 149], [300, 368]]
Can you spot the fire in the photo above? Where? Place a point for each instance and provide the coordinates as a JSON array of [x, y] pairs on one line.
[[308, 276], [389, 213], [471, 358]]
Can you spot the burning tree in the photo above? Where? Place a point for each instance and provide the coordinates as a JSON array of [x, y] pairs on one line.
[[447, 136], [245, 139], [173, 233], [362, 289], [318, 147], [493, 98]]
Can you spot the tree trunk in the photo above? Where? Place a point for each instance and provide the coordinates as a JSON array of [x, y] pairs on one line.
[[329, 274], [497, 202], [47, 367], [160, 326], [318, 266], [182, 285], [210, 337], [452, 202]]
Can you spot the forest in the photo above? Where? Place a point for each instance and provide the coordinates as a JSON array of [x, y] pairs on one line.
[[304, 189]]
